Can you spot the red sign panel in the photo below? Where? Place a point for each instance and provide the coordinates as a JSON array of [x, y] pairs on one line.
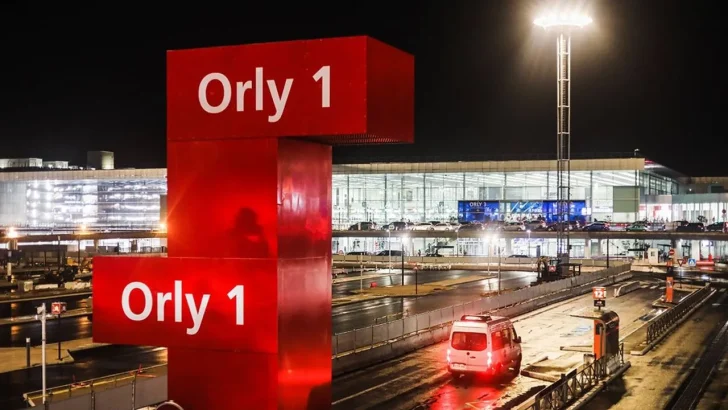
[[599, 293], [339, 90], [186, 302]]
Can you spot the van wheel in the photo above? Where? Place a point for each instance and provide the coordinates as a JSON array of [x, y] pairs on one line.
[[517, 366]]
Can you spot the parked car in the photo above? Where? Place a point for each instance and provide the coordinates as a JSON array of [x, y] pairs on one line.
[[597, 227], [717, 227], [423, 226], [514, 226], [691, 227], [443, 226], [472, 226], [639, 226], [536, 225], [363, 226], [396, 226]]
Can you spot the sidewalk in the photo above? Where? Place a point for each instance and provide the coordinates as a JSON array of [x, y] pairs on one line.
[[14, 358]]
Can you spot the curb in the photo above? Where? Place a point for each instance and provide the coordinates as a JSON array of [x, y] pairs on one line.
[[671, 328], [89, 346], [540, 376]]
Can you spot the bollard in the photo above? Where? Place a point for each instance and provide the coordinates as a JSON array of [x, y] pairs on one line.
[[27, 352]]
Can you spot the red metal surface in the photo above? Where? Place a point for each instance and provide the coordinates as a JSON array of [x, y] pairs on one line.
[[371, 96], [197, 277], [235, 194]]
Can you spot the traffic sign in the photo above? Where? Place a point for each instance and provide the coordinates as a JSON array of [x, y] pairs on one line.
[[691, 262], [680, 262], [599, 292], [58, 307], [672, 252]]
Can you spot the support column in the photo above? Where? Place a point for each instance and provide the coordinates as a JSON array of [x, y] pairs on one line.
[[587, 249], [271, 201]]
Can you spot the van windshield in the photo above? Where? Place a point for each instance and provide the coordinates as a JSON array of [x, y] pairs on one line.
[[469, 341]]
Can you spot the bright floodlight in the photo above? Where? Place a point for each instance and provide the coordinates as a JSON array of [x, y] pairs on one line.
[[563, 20]]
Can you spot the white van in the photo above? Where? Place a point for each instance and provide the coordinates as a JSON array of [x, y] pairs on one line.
[[483, 344]]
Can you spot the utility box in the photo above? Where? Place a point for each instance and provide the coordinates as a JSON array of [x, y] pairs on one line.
[[25, 286]]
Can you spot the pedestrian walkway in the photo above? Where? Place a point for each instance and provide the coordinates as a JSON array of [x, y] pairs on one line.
[[14, 358]]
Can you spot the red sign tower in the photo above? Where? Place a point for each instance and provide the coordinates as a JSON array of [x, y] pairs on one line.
[[244, 299]]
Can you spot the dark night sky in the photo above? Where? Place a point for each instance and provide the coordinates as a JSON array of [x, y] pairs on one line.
[[649, 74]]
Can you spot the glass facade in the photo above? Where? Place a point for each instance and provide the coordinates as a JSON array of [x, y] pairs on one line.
[[434, 196], [118, 199], [602, 189]]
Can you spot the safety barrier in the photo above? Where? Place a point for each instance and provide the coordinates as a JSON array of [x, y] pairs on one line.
[[662, 323], [574, 385], [626, 288], [375, 335], [130, 390], [455, 260]]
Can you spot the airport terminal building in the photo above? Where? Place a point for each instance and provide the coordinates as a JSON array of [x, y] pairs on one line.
[[51, 194]]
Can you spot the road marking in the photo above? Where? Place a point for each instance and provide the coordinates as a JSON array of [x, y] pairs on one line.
[[722, 290], [654, 287], [367, 390], [438, 375]]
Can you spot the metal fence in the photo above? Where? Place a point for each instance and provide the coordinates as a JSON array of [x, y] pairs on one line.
[[130, 390], [574, 385], [383, 333], [662, 323]]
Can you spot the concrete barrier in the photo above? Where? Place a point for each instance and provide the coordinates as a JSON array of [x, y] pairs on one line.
[[626, 288]]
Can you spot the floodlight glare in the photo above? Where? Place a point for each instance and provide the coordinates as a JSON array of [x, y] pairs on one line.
[[563, 20]]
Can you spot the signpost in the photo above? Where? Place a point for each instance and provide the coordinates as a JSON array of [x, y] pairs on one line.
[[57, 308], [599, 294], [41, 315], [244, 299]]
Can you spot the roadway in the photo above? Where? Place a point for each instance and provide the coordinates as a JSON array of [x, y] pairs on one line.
[[420, 380], [365, 313], [344, 317]]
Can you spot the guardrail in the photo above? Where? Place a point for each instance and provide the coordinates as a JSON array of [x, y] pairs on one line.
[[454, 260], [578, 382], [384, 333], [141, 388], [663, 322]]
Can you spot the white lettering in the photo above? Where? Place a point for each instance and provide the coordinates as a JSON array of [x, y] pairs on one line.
[[178, 301], [279, 100], [226, 93], [147, 301], [162, 298], [259, 88], [242, 88], [197, 315], [237, 293], [324, 73]]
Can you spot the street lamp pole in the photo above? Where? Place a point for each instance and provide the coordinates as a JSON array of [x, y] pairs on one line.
[[564, 22], [529, 242], [403, 237], [389, 246]]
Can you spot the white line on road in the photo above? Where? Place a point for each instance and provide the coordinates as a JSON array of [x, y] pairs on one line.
[[384, 384]]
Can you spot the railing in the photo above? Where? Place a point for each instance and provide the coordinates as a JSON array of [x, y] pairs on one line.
[[387, 332], [146, 387], [662, 323], [574, 385]]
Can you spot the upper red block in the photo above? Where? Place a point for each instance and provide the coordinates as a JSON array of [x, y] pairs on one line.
[[349, 90]]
